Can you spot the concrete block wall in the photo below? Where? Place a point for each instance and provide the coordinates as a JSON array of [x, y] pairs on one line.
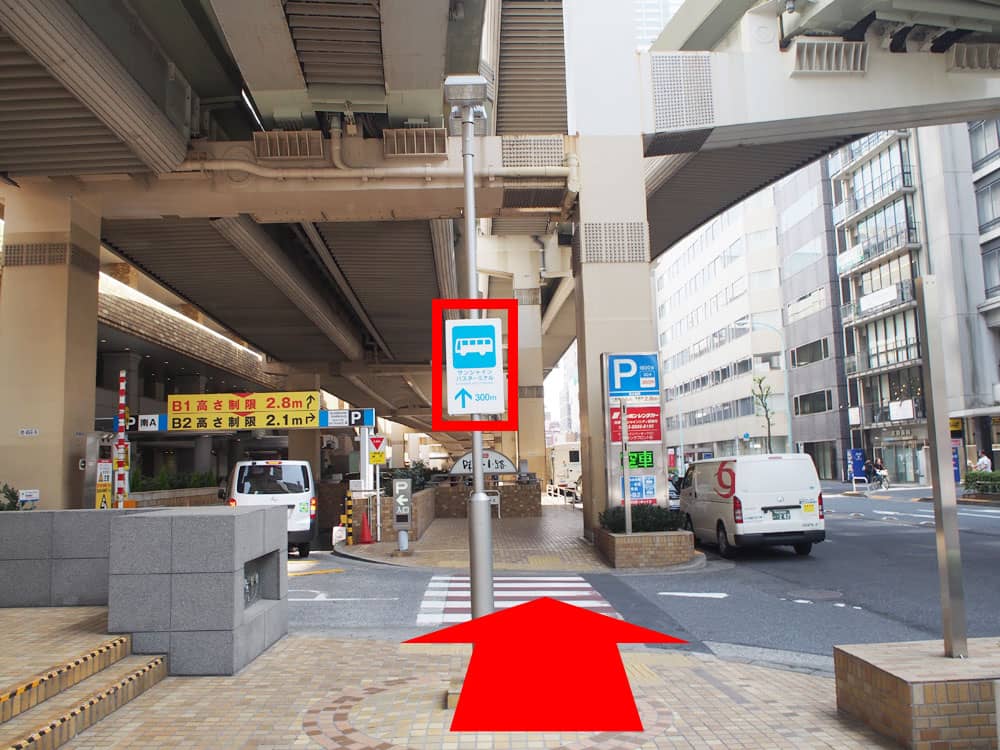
[[54, 558], [176, 583]]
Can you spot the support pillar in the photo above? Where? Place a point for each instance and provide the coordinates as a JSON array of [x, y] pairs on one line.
[[611, 253], [531, 395], [304, 445], [48, 343], [413, 448], [111, 364], [397, 437], [204, 461]]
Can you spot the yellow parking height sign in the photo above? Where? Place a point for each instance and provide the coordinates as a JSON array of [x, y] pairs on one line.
[[243, 411]]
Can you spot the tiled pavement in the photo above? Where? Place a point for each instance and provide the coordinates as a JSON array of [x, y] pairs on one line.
[[317, 692], [553, 542], [448, 598], [30, 645]]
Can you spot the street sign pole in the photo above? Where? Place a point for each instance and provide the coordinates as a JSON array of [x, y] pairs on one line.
[[626, 474], [945, 503], [480, 530]]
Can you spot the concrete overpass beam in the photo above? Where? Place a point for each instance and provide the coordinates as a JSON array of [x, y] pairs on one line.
[[247, 237], [750, 92], [48, 343], [257, 33], [155, 124]]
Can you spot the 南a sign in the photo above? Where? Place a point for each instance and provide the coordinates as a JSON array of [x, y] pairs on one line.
[[243, 411]]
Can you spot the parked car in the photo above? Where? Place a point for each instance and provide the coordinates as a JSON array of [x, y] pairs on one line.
[[745, 501], [278, 483]]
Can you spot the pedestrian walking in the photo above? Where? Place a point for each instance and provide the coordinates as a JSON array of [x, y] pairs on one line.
[[984, 463]]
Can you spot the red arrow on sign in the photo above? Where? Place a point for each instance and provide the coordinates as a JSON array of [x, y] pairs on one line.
[[377, 442], [546, 666]]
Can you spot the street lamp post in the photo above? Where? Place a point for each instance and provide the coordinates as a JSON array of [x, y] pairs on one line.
[[466, 94], [784, 367]]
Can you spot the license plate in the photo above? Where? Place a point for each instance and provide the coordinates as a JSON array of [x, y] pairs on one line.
[[809, 508], [780, 515]]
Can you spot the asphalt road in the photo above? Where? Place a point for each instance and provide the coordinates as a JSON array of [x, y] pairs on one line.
[[874, 580]]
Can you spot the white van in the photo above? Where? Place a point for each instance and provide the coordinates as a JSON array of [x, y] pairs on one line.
[[747, 501], [288, 483]]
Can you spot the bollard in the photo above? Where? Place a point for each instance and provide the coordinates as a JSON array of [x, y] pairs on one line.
[[349, 518]]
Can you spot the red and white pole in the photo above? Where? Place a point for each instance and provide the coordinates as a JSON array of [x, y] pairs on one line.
[[121, 444]]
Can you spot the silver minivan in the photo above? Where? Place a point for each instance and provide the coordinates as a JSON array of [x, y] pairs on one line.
[[288, 483]]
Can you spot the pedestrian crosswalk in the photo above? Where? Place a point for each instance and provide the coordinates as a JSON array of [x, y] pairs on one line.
[[448, 598]]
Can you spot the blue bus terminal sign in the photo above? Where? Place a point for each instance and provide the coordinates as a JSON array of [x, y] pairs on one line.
[[633, 375]]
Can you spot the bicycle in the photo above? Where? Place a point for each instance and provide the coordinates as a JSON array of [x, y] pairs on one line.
[[881, 480]]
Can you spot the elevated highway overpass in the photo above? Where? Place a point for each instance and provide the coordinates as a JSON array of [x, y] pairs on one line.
[[292, 170]]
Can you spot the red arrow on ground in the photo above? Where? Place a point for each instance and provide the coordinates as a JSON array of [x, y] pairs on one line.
[[546, 666]]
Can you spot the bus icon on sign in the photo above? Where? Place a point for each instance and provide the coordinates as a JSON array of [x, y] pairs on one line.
[[474, 347]]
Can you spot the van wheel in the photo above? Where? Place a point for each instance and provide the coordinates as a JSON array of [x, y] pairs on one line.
[[803, 549], [721, 539], [303, 550]]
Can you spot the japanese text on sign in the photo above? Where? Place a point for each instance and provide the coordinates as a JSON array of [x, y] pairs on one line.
[[243, 411], [643, 424]]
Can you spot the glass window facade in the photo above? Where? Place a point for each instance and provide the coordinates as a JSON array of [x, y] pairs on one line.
[[991, 268], [988, 204], [883, 174], [816, 402], [985, 139], [716, 413], [807, 354]]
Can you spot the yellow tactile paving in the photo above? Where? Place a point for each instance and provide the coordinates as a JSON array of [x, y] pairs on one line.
[[554, 542], [317, 692]]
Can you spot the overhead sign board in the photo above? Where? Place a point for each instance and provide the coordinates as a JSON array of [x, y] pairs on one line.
[[474, 356], [633, 375], [243, 411], [493, 462], [347, 418]]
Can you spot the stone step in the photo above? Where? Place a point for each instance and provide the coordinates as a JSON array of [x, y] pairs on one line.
[[30, 692], [55, 721]]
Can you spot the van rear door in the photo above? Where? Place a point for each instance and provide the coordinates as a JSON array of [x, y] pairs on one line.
[[779, 494]]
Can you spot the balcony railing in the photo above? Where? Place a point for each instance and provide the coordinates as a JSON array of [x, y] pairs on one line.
[[875, 303], [881, 414], [901, 353], [882, 243]]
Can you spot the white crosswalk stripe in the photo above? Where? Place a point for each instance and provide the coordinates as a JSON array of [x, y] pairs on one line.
[[448, 599]]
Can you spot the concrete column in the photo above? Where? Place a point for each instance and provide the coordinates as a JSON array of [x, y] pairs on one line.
[[48, 343], [611, 260], [508, 445], [413, 447], [304, 445], [204, 461], [111, 364], [614, 295], [397, 443], [531, 401]]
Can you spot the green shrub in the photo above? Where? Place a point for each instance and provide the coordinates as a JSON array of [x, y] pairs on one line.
[[644, 518], [982, 481], [164, 480], [8, 498], [418, 471]]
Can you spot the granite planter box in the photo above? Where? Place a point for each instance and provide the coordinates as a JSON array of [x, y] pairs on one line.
[[206, 586], [645, 549]]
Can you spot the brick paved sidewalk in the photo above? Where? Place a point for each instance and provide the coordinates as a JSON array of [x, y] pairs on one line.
[[317, 692], [552, 542]]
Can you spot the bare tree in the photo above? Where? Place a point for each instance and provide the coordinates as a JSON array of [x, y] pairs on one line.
[[761, 393]]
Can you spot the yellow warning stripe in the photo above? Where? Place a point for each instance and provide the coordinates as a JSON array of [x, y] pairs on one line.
[[36, 737], [57, 671], [316, 572]]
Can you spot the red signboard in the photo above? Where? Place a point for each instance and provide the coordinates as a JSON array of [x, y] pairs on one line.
[[643, 424]]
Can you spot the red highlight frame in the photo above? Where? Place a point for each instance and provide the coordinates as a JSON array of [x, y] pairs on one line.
[[438, 422]]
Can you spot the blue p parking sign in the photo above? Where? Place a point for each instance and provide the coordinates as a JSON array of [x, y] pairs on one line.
[[631, 375]]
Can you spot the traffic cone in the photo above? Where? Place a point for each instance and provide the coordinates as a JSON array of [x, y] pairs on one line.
[[366, 532]]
